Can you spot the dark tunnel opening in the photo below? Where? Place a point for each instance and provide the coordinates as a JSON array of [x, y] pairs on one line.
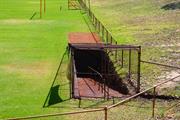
[[86, 59], [97, 59]]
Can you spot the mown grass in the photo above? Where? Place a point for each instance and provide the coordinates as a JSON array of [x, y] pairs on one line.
[[31, 50], [30, 53], [145, 23]]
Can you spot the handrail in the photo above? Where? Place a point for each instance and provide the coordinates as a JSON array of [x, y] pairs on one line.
[[56, 114], [155, 63], [102, 79], [136, 95], [96, 71]]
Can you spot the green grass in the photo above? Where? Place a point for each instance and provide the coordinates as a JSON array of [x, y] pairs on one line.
[[30, 50], [30, 53], [143, 22]]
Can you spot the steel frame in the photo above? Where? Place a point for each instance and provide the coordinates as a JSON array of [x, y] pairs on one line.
[[105, 73]]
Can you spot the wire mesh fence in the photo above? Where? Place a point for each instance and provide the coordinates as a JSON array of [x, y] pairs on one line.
[[135, 107], [126, 63], [103, 32], [142, 109], [60, 88]]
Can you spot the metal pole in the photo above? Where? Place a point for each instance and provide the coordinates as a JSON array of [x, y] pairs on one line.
[[104, 89], [111, 39], [116, 53], [106, 36], [70, 83], [107, 68], [89, 7], [154, 100], [122, 59], [99, 27], [40, 8], [44, 6], [79, 103], [68, 4], [103, 33], [129, 64], [73, 73], [113, 100], [105, 113], [139, 69]]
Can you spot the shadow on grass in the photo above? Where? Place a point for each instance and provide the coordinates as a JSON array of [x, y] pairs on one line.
[[53, 96], [171, 6]]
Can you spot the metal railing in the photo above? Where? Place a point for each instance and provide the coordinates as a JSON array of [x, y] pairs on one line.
[[107, 108], [103, 32]]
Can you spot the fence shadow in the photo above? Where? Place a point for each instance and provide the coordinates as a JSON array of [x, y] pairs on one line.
[[53, 96], [171, 6]]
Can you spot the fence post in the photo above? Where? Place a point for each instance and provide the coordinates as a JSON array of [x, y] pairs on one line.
[[103, 33], [79, 103], [40, 9], [105, 113], [111, 39], [113, 100], [44, 6], [89, 7], [154, 100], [139, 70], [129, 64], [116, 55], [107, 36], [122, 59]]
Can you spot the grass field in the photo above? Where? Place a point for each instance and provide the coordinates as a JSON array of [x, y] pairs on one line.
[[30, 50], [145, 23]]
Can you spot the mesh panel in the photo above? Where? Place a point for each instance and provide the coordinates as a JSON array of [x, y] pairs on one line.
[[60, 88], [125, 65]]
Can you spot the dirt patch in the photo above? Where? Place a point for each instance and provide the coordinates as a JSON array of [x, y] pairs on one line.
[[22, 21], [79, 37], [171, 84], [34, 69]]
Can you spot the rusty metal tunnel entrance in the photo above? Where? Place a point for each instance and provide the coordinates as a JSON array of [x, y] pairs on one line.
[[100, 70]]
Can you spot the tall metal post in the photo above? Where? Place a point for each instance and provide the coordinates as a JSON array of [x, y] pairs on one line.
[[106, 36], [89, 6], [139, 70], [44, 6], [105, 113], [122, 59], [116, 55], [129, 64], [40, 9], [154, 100], [103, 33], [72, 64]]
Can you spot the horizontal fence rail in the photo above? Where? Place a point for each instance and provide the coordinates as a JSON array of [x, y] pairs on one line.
[[136, 95], [160, 64], [57, 114]]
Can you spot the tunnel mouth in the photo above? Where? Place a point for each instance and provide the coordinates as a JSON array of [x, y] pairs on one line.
[[90, 63], [113, 67], [87, 59]]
